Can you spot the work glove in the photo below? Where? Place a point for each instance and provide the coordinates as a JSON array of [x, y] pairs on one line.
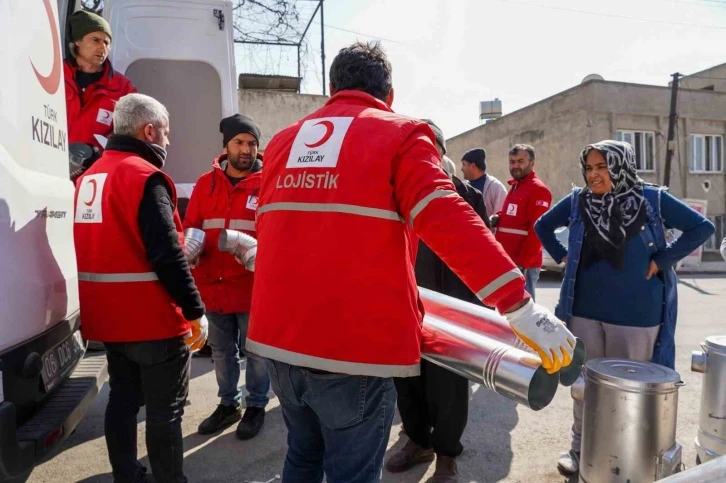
[[545, 334], [248, 259], [198, 336]]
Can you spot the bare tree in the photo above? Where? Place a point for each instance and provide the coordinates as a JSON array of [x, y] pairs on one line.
[[267, 21]]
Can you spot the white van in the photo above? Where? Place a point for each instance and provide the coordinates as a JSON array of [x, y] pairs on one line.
[[180, 52]]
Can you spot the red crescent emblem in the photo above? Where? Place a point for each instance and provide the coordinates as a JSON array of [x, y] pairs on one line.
[[329, 127], [93, 197], [51, 82]]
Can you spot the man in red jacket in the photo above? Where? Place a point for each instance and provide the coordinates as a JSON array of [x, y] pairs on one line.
[[343, 196], [527, 200], [137, 293], [92, 86], [226, 198]]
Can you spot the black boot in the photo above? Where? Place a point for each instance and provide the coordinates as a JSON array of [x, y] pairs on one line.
[[222, 417], [251, 423]]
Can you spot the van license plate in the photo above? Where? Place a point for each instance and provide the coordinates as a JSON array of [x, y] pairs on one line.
[[61, 359]]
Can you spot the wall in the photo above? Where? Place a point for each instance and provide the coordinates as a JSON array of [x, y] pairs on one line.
[[557, 127], [275, 110], [715, 76]]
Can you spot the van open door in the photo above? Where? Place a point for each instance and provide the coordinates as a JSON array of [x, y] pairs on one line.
[[181, 53]]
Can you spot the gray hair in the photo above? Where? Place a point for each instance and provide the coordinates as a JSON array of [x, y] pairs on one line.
[[134, 111]]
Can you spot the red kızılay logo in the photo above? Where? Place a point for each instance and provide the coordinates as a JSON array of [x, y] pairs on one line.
[[51, 82], [318, 143]]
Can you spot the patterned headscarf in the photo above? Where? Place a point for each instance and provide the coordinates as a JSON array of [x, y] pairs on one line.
[[612, 219]]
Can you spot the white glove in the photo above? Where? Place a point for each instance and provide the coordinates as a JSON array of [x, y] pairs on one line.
[[545, 334], [198, 336]]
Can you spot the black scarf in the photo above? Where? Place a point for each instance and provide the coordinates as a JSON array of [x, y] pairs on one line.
[[611, 220], [152, 153]]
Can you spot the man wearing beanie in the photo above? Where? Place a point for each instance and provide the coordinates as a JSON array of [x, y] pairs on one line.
[[226, 198], [474, 167], [92, 86], [446, 163]]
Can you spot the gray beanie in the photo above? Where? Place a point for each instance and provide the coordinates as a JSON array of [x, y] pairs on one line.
[[438, 134]]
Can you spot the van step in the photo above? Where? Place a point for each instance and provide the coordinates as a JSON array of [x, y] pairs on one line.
[[65, 408]]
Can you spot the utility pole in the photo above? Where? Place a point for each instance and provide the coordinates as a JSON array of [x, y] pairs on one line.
[[671, 146], [322, 42]]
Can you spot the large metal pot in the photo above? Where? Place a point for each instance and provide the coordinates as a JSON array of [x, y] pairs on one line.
[[629, 422], [710, 441]]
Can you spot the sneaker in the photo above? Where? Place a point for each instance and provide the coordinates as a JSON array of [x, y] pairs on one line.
[[222, 417], [409, 456], [251, 423], [569, 463], [445, 470]]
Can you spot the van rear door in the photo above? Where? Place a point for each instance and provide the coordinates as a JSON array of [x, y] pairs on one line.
[[181, 53]]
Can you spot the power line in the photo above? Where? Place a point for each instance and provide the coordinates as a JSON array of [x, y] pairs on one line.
[[365, 35], [614, 15]]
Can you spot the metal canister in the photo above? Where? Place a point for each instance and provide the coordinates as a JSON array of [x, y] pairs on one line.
[[710, 442], [629, 422]]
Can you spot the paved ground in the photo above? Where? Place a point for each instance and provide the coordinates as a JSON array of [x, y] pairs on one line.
[[504, 442]]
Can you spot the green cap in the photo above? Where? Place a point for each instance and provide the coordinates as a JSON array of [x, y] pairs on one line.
[[83, 23]]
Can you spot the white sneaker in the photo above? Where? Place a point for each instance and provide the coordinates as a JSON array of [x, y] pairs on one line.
[[569, 463]]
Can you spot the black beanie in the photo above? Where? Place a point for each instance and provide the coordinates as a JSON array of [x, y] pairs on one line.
[[438, 134], [238, 124], [477, 157]]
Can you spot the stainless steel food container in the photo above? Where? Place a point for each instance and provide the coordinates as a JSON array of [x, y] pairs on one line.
[[629, 422], [711, 361]]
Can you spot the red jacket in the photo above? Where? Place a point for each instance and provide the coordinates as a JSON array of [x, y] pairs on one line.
[[120, 295], [343, 195], [90, 112], [225, 285], [527, 200]]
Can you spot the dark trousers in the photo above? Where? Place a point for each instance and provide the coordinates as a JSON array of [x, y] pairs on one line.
[[434, 408], [155, 374], [337, 425]]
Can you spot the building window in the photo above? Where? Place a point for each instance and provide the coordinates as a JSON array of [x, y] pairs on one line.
[[706, 154], [643, 144]]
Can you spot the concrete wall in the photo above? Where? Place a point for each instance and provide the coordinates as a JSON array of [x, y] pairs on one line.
[[714, 77], [559, 127], [274, 111]]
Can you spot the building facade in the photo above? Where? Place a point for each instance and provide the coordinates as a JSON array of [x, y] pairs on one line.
[[560, 126]]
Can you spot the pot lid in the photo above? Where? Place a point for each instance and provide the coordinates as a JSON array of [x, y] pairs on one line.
[[632, 375], [716, 343]]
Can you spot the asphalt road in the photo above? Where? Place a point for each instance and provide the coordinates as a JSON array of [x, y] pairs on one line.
[[503, 441]]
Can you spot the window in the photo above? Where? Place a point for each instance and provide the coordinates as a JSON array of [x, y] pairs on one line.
[[706, 154], [643, 144]]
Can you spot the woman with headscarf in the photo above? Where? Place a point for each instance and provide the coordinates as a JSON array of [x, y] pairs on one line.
[[619, 288]]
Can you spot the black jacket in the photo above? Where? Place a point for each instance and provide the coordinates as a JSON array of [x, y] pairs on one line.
[[431, 272]]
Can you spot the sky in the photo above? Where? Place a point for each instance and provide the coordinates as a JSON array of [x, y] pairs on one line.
[[448, 55]]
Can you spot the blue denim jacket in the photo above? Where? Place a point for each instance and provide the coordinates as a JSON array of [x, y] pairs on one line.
[[665, 349]]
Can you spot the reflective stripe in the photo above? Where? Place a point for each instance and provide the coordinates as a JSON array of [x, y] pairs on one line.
[[247, 225], [213, 223], [426, 200], [331, 208], [498, 283], [331, 365], [513, 231], [117, 277]]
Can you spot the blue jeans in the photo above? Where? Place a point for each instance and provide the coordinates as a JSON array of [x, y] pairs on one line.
[[338, 425], [531, 275], [227, 336]]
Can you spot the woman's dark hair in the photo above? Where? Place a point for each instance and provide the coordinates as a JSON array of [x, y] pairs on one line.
[[363, 67]]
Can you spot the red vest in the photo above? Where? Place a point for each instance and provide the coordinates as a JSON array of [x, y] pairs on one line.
[[120, 295], [342, 195], [225, 285], [90, 112], [527, 200]]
